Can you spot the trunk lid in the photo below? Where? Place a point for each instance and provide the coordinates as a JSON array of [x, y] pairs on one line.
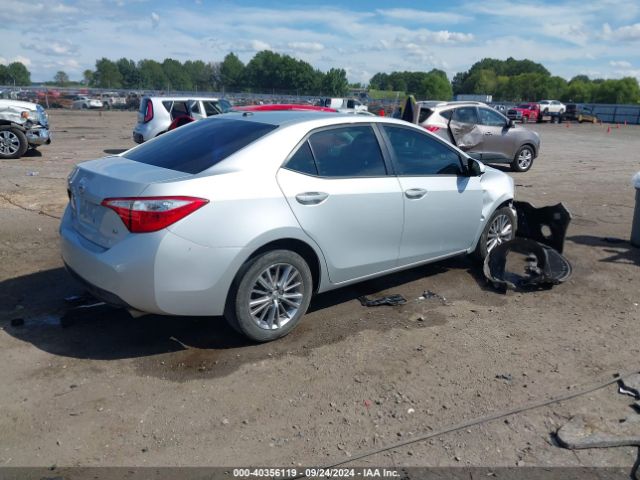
[[91, 182]]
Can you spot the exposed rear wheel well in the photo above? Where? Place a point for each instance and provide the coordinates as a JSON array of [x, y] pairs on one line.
[[301, 248]]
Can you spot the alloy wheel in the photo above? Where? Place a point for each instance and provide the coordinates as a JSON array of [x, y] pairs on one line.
[[9, 143], [500, 231], [524, 158], [276, 296]]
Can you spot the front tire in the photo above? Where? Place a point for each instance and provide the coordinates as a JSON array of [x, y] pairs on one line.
[[13, 143], [500, 228], [270, 295], [523, 159]]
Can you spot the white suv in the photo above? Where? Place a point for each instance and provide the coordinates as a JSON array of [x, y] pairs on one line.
[[157, 113], [552, 106]]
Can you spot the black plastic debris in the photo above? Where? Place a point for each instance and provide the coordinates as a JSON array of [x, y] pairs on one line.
[[392, 300], [543, 266], [17, 322], [547, 225]]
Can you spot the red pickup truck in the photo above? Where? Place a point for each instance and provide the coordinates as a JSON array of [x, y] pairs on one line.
[[525, 112]]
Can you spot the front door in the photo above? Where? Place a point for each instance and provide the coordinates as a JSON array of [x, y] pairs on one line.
[[442, 204], [498, 143], [337, 185]]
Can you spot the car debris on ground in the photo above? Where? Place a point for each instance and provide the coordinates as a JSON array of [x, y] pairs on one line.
[[539, 241]]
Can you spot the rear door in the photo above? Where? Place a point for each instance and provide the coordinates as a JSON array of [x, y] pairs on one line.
[[442, 204], [337, 184], [498, 143]]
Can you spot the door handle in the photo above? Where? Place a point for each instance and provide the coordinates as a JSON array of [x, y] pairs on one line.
[[311, 198], [415, 193], [488, 133]]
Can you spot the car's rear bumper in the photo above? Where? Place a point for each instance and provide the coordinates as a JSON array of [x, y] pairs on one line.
[[156, 272]]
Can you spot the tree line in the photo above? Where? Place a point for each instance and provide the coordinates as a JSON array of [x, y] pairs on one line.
[[267, 71], [522, 80], [506, 80]]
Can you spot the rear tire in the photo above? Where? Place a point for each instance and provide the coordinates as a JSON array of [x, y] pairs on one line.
[[500, 228], [270, 295], [13, 142], [523, 159]]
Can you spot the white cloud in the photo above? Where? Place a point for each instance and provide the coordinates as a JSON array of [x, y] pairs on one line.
[[627, 33], [258, 45], [155, 19], [52, 48], [422, 16], [620, 64], [306, 46]]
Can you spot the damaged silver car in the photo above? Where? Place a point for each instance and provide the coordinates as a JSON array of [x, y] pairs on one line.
[[23, 125]]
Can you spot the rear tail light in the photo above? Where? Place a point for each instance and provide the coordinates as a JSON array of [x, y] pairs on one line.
[[148, 112], [150, 214], [432, 128]]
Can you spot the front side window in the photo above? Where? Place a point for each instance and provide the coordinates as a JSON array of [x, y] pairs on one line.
[[347, 152], [417, 153], [465, 115], [211, 108], [491, 118]]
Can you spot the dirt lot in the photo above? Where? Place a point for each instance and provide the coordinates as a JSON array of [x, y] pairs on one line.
[[106, 389]]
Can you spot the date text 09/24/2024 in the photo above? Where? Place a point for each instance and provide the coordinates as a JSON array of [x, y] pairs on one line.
[[337, 473]]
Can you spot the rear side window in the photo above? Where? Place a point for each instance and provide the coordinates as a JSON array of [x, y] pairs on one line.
[[199, 145], [465, 115], [347, 152], [302, 161]]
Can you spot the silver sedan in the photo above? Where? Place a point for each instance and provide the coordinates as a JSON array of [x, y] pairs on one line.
[[248, 214]]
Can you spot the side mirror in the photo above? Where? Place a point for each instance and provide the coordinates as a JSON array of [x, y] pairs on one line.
[[475, 168]]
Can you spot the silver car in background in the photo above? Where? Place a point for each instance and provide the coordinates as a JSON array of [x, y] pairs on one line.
[[248, 214], [481, 131]]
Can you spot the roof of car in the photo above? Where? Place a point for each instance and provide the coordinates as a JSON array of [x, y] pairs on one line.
[[182, 97], [291, 117], [458, 103]]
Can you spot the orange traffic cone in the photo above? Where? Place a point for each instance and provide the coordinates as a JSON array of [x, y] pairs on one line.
[[568, 125], [617, 125], [608, 129]]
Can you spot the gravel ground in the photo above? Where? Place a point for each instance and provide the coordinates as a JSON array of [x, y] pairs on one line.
[[101, 388]]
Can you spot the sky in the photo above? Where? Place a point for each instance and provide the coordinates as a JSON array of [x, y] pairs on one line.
[[598, 38]]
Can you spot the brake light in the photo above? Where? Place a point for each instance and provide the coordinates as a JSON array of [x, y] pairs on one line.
[[432, 128], [150, 214], [148, 113]]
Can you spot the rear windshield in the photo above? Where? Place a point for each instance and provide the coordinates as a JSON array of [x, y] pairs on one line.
[[199, 145]]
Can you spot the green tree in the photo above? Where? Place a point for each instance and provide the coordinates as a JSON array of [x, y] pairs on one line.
[[335, 82], [130, 74], [61, 78], [4, 75], [87, 77], [107, 74], [18, 74], [152, 75], [232, 72], [436, 86], [177, 77]]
